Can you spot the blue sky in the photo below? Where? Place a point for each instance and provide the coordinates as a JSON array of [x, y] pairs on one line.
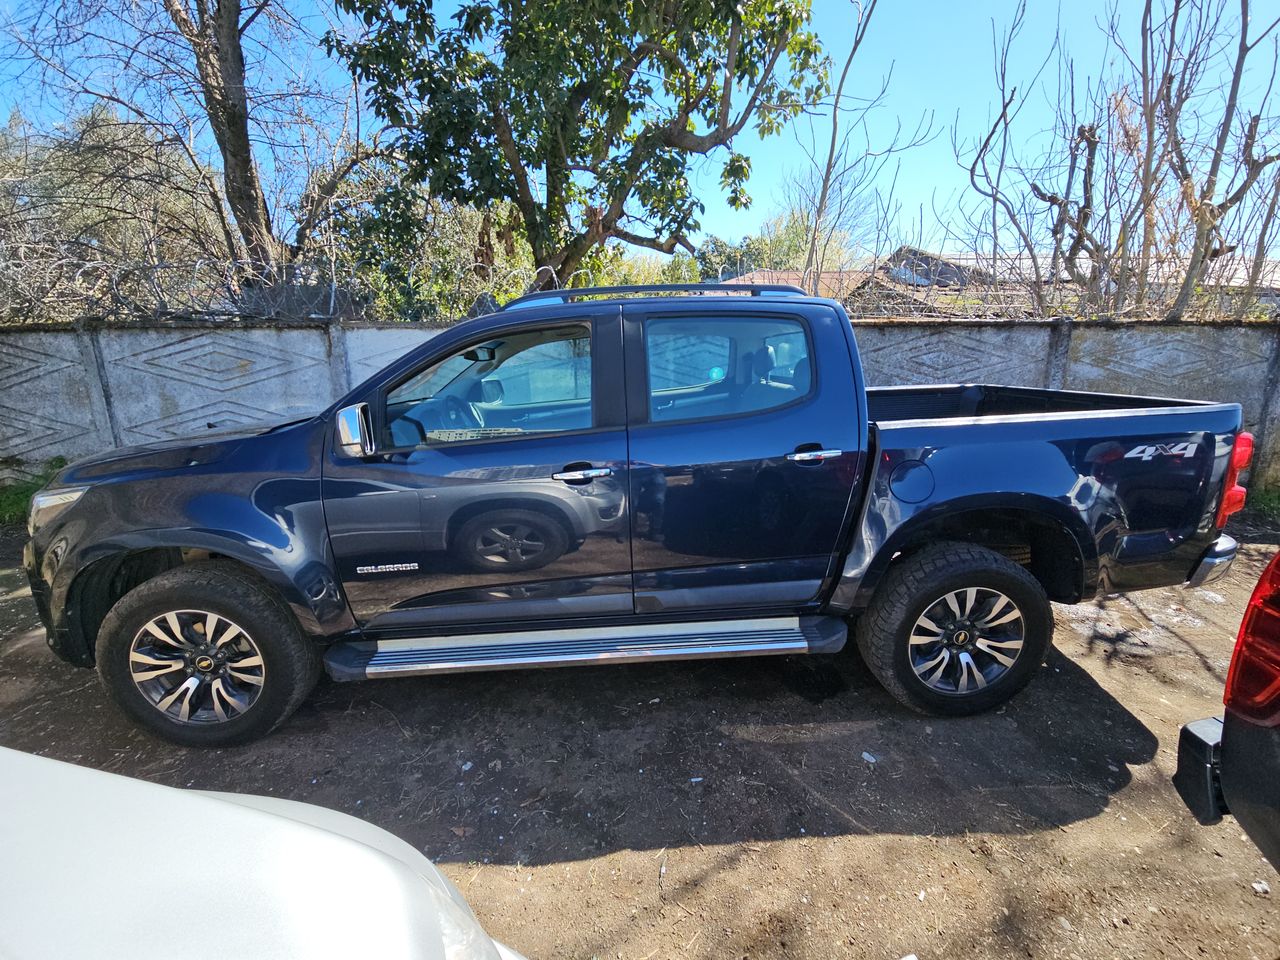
[[940, 54]]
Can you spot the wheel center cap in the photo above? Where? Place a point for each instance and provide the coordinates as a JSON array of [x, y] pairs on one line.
[[204, 664], [960, 637]]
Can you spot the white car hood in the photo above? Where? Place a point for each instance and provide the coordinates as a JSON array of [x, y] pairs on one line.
[[98, 865]]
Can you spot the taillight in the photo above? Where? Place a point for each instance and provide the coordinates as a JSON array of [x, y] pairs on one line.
[[1253, 681], [1232, 493]]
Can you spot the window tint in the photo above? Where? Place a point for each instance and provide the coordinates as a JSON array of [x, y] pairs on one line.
[[686, 360], [524, 383], [548, 372], [724, 367]]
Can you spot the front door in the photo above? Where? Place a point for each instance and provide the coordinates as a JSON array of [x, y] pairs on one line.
[[745, 453], [499, 492]]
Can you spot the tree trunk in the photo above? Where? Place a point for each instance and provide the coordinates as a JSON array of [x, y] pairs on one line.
[[1260, 251], [1195, 268], [812, 263], [214, 38]]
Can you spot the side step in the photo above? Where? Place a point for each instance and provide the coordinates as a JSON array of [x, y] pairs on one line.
[[556, 648]]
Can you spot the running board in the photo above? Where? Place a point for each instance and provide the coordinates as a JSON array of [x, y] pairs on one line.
[[556, 648]]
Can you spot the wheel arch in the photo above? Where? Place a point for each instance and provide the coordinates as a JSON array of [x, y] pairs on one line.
[[112, 570], [1045, 536]]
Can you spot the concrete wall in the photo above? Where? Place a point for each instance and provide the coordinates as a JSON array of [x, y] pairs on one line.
[[72, 392]]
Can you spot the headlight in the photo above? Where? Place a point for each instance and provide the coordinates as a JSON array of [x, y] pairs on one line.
[[47, 504]]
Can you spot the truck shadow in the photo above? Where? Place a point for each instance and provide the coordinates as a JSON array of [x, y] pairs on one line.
[[549, 766]]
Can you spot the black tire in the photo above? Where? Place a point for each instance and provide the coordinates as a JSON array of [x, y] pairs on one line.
[[547, 538], [290, 661], [920, 583]]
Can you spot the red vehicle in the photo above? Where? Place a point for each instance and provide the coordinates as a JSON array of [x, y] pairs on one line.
[[1231, 764]]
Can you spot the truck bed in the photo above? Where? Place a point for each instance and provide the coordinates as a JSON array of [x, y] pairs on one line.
[[1136, 480], [968, 401]]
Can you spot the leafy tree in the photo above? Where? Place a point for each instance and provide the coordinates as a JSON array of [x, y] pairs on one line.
[[414, 257], [237, 88], [781, 244], [617, 267], [718, 259], [100, 189], [584, 114]]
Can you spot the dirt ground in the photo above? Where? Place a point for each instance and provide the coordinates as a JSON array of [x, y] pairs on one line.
[[762, 808]]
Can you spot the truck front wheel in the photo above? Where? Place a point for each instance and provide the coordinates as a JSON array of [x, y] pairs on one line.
[[955, 629], [205, 656]]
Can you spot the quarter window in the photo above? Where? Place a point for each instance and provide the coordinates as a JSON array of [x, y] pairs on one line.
[[702, 368]]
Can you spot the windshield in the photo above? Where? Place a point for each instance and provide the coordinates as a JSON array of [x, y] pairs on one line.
[[434, 379]]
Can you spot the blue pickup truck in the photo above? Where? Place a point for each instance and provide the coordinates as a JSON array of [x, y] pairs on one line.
[[622, 474]]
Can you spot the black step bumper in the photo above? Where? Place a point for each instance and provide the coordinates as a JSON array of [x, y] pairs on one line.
[[1198, 777]]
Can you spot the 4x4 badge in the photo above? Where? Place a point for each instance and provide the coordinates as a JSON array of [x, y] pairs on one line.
[[1148, 450]]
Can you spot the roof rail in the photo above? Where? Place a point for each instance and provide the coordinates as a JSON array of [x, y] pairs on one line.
[[575, 293]]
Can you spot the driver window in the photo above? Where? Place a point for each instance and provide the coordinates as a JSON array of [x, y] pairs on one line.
[[536, 381]]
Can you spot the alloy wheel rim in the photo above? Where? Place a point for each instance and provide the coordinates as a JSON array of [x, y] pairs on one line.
[[966, 640], [510, 543], [197, 667]]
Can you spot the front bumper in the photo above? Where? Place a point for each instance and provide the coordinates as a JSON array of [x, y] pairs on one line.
[[1198, 777], [1215, 563], [56, 632], [39, 589]]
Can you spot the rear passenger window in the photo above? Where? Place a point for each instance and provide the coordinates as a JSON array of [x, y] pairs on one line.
[[678, 360], [724, 367]]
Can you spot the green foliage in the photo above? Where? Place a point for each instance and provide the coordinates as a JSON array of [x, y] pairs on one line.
[[101, 188], [584, 114], [15, 498], [418, 258], [1266, 502], [780, 245], [618, 269]]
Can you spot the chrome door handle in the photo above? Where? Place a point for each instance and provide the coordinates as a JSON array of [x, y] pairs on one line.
[[582, 476], [814, 456]]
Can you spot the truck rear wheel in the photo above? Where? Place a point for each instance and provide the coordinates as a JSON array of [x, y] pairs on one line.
[[203, 655], [955, 629]]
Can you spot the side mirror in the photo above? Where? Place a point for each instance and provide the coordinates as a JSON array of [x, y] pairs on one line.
[[355, 431]]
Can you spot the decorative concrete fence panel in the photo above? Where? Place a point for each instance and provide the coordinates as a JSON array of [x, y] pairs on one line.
[[1196, 363], [51, 399], [918, 352], [171, 383], [72, 392], [369, 349]]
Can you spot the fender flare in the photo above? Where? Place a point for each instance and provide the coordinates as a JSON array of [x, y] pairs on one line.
[[869, 559], [311, 590]]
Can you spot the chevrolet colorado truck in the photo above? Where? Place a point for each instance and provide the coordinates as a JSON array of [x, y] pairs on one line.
[[621, 474]]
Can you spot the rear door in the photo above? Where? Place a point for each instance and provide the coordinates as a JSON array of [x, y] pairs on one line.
[[745, 453]]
